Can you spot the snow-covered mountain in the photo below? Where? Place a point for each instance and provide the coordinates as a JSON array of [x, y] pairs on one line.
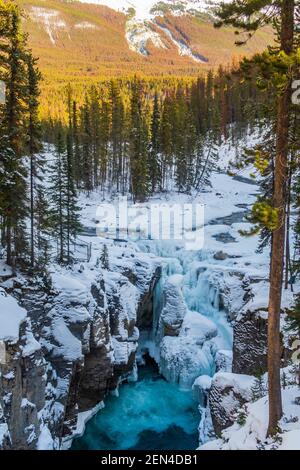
[[92, 38], [142, 17]]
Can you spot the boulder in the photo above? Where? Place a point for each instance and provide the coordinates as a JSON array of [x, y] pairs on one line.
[[228, 393]]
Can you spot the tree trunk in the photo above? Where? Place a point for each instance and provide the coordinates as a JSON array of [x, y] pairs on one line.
[[32, 254], [278, 238], [287, 240], [8, 242]]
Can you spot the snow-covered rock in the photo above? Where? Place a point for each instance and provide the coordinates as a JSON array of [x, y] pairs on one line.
[[69, 340], [11, 317], [251, 433], [227, 394]]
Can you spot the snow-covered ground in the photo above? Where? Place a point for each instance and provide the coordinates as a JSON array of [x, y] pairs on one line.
[[251, 432]]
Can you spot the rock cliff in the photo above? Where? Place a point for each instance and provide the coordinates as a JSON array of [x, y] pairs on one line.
[[75, 340]]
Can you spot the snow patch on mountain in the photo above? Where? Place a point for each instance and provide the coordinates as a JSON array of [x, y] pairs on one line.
[[138, 35], [182, 46], [50, 19], [85, 25]]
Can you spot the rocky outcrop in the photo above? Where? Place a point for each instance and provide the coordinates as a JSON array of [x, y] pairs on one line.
[[250, 330], [76, 342], [173, 312], [250, 344], [228, 393]]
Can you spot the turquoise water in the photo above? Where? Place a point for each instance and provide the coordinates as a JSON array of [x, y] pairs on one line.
[[150, 414]]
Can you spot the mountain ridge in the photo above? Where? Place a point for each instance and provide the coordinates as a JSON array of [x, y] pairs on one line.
[[83, 42]]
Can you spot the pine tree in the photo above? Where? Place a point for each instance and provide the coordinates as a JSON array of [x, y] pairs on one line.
[[258, 390], [138, 145], [116, 133], [57, 197], [104, 258], [13, 173], [167, 129], [64, 220], [95, 133], [154, 150], [42, 225], [294, 317], [105, 122], [87, 158], [77, 158], [33, 141]]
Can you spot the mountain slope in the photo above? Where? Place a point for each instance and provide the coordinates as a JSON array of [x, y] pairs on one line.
[[83, 41]]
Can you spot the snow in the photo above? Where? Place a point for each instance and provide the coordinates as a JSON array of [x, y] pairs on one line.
[[85, 25], [198, 326], [182, 360], [50, 19], [200, 388], [5, 270], [224, 360], [31, 345], [200, 293], [183, 48], [45, 441], [143, 7], [4, 432], [68, 346], [242, 384], [291, 440], [11, 317], [253, 434], [138, 35]]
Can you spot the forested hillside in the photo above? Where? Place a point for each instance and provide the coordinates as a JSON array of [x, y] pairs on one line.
[[83, 43]]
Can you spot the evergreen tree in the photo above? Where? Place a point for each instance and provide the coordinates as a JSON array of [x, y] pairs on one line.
[[87, 156], [138, 145], [13, 174], [154, 150], [77, 158], [166, 139], [33, 141], [258, 390], [116, 133], [64, 219], [104, 258]]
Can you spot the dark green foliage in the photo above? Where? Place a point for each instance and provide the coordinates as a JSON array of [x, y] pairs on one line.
[[104, 259], [138, 144], [259, 388], [64, 219], [135, 137], [13, 207]]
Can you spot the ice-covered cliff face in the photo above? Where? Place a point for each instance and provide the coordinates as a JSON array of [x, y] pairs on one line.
[[68, 339]]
